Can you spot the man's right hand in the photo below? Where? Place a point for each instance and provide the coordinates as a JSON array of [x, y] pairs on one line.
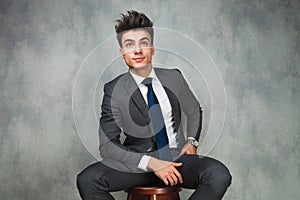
[[165, 170]]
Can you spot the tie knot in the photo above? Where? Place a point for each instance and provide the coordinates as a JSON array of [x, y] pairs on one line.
[[147, 81]]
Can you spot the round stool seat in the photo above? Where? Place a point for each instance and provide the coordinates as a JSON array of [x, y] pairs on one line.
[[153, 193]]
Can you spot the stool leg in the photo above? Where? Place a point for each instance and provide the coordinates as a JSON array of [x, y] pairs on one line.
[[153, 197], [178, 198], [129, 196]]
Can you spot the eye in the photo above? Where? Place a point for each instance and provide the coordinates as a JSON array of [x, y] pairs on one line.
[[144, 44], [129, 44]]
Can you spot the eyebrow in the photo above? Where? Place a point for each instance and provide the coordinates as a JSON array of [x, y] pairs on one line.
[[144, 38], [128, 40], [131, 40]]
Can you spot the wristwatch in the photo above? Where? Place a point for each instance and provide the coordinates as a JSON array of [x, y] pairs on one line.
[[193, 141]]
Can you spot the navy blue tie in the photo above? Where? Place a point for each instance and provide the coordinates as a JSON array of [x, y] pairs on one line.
[[161, 138]]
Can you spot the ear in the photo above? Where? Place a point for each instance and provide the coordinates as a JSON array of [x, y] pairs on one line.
[[152, 50], [121, 53]]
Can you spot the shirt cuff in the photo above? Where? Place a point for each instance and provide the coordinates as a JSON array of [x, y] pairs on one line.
[[144, 162]]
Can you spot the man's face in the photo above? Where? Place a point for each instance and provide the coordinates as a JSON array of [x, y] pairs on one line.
[[136, 49]]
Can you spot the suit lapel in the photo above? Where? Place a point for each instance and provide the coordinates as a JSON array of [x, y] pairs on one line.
[[136, 96]]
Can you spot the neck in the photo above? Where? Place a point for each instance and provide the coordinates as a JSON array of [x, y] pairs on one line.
[[142, 71]]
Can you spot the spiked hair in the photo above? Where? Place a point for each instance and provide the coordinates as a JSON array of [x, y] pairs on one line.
[[133, 20]]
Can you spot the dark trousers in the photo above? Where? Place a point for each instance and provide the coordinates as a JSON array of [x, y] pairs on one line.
[[209, 177]]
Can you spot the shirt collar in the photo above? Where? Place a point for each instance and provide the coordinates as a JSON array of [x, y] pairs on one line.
[[138, 79]]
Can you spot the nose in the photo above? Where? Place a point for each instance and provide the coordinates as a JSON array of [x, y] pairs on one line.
[[138, 49]]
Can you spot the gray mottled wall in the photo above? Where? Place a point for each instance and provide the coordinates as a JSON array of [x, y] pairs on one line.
[[255, 44]]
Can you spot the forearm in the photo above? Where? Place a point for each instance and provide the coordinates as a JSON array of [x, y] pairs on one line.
[[194, 123], [111, 148]]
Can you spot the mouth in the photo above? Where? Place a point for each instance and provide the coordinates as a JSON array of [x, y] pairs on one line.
[[139, 59]]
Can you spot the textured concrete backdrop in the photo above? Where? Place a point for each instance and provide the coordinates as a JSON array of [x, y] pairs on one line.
[[256, 45]]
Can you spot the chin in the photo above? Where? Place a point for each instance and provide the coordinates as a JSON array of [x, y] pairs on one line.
[[142, 66]]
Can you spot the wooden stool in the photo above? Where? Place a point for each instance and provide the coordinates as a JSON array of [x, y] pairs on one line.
[[153, 193]]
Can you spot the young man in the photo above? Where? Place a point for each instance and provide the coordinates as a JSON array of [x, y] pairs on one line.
[[145, 104]]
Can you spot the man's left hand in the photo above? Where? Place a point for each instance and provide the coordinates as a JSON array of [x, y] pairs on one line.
[[188, 149]]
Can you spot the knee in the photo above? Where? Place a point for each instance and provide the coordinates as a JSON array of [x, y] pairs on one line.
[[82, 181], [217, 173], [85, 184], [224, 175], [89, 180], [221, 174]]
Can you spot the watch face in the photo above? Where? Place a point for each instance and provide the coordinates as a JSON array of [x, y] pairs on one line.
[[193, 142]]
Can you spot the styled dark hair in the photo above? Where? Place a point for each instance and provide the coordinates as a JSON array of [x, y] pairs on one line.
[[133, 20]]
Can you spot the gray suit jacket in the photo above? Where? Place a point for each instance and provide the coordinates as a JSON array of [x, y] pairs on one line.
[[124, 110]]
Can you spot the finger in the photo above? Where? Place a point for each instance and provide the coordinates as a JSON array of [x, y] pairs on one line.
[[191, 150], [175, 179], [171, 181], [176, 164], [182, 152], [194, 149], [165, 181], [188, 151], [176, 172]]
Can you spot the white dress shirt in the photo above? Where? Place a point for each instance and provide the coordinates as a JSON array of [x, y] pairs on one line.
[[166, 110]]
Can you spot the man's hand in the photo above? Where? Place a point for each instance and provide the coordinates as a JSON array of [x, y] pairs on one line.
[[188, 149], [166, 171]]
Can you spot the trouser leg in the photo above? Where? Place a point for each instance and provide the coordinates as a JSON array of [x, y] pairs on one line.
[[98, 180], [209, 177]]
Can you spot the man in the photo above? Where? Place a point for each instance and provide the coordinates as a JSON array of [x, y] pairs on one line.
[[146, 105]]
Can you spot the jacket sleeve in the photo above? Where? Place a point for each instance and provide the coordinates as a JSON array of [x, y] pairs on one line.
[[110, 130], [191, 108]]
